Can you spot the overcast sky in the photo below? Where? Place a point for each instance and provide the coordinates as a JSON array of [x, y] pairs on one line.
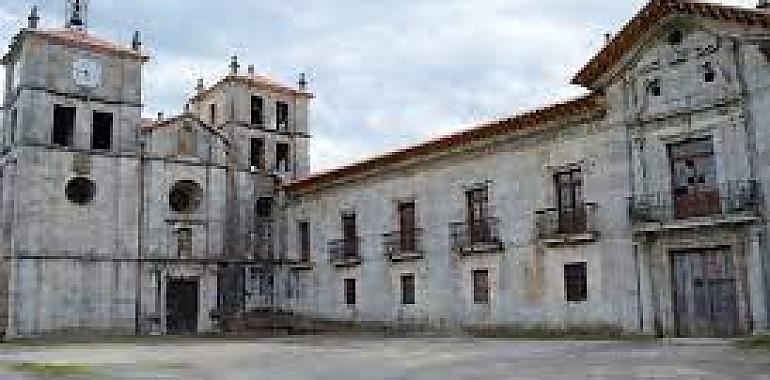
[[386, 73]]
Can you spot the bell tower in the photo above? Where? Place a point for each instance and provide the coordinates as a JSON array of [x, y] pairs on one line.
[[77, 14]]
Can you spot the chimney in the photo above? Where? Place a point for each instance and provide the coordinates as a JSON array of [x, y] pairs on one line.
[[199, 85], [234, 66], [251, 69], [302, 82], [33, 18], [136, 42]]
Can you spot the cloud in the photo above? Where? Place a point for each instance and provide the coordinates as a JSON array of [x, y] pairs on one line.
[[386, 73]]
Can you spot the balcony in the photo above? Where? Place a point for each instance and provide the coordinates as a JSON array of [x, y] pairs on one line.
[[734, 202], [400, 246], [345, 252], [567, 226], [302, 264], [477, 236]]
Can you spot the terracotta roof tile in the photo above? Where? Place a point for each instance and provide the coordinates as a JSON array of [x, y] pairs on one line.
[[530, 120], [653, 13], [256, 81], [78, 39]]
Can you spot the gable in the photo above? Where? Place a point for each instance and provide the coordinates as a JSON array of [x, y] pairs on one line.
[[185, 136], [636, 31]]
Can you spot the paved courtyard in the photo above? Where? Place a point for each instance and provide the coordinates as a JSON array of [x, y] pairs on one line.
[[348, 359]]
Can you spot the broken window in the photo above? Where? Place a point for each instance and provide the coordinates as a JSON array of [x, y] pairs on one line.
[[185, 196], [694, 184], [257, 153], [184, 242], [480, 286], [304, 241], [281, 116], [575, 282], [407, 289], [101, 132], [80, 190], [63, 125], [282, 162], [350, 291], [256, 110]]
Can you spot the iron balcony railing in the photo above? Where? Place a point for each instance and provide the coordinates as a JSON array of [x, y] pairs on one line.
[[476, 235], [556, 223], [345, 251], [738, 197], [401, 245]]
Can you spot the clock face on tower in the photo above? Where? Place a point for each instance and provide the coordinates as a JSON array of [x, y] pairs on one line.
[[87, 72]]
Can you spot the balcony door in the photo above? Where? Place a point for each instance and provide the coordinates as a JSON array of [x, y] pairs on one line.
[[349, 234], [478, 215], [407, 226], [569, 193], [693, 183]]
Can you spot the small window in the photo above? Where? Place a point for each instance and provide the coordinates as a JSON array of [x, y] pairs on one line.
[[80, 190], [14, 122], [303, 228], [675, 37], [184, 242], [101, 133], [213, 114], [264, 207], [281, 116], [256, 110], [575, 282], [653, 87], [282, 162], [709, 75], [257, 154], [185, 196], [407, 226], [63, 125], [481, 286], [350, 291], [407, 289]]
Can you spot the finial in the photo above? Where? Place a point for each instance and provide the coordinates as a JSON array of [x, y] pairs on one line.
[[76, 13], [251, 69], [33, 17], [302, 82], [136, 42], [234, 66]]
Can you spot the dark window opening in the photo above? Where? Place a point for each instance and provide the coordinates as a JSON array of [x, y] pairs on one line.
[[709, 74], [407, 289], [407, 226], [256, 110], [14, 122], [304, 241], [257, 154], [185, 196], [101, 134], [349, 235], [350, 291], [213, 114], [282, 116], [184, 242], [477, 208], [575, 282], [80, 190], [282, 162], [63, 125], [264, 207], [675, 37], [481, 286], [653, 87]]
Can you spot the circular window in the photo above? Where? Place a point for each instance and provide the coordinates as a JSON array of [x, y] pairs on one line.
[[185, 196], [80, 190]]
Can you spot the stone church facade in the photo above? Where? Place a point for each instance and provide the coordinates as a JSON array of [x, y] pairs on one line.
[[639, 207]]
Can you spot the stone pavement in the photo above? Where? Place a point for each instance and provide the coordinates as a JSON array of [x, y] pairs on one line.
[[347, 359]]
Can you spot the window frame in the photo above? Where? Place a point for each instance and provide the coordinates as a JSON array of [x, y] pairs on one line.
[[350, 291], [408, 289], [576, 271], [481, 287]]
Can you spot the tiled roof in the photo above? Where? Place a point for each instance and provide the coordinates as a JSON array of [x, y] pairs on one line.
[[79, 39], [653, 13], [526, 121], [256, 81]]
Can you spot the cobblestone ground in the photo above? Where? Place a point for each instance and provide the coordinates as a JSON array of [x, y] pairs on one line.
[[348, 359]]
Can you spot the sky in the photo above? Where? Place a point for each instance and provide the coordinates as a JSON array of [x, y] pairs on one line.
[[386, 74]]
